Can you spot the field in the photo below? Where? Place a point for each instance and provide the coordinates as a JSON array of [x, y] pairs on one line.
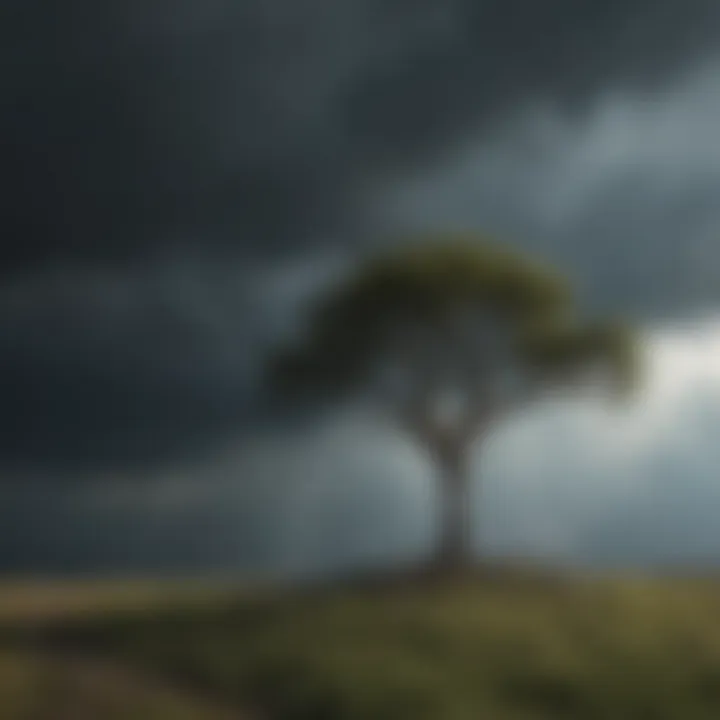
[[508, 646]]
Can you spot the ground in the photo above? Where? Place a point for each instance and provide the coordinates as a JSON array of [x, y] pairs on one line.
[[502, 645]]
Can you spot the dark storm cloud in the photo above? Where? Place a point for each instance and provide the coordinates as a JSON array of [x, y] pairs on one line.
[[120, 370], [249, 124], [624, 202], [63, 533], [145, 132]]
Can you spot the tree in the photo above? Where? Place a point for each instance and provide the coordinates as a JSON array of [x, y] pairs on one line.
[[452, 336]]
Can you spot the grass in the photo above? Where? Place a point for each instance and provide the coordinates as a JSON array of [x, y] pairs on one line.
[[37, 683], [504, 647], [36, 687], [33, 600]]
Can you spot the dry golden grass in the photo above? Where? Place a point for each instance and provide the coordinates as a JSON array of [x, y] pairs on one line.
[[28, 601]]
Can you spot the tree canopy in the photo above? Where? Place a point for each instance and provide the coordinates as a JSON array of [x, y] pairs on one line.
[[474, 310]]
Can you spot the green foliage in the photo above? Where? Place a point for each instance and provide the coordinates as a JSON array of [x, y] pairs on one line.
[[555, 351], [426, 286], [431, 279], [351, 325]]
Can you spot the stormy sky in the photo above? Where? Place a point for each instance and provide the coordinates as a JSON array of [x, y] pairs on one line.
[[178, 177]]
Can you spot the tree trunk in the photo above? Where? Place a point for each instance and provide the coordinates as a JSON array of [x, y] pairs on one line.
[[454, 550]]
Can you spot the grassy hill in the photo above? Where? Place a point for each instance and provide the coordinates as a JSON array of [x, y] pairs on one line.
[[502, 646]]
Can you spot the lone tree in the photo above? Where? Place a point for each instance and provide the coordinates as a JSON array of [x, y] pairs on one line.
[[451, 336]]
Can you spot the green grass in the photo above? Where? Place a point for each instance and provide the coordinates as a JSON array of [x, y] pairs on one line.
[[37, 683], [500, 648], [36, 687]]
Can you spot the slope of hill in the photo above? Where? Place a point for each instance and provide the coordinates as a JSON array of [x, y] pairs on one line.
[[508, 646]]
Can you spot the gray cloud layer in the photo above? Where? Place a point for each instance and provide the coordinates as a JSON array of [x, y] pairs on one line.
[[206, 131], [249, 125], [179, 176], [626, 201], [570, 482]]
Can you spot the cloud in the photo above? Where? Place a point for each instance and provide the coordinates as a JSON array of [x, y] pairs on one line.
[[626, 201], [256, 127], [571, 480], [181, 178]]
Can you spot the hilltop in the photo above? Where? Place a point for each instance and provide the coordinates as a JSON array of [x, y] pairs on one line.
[[503, 644]]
